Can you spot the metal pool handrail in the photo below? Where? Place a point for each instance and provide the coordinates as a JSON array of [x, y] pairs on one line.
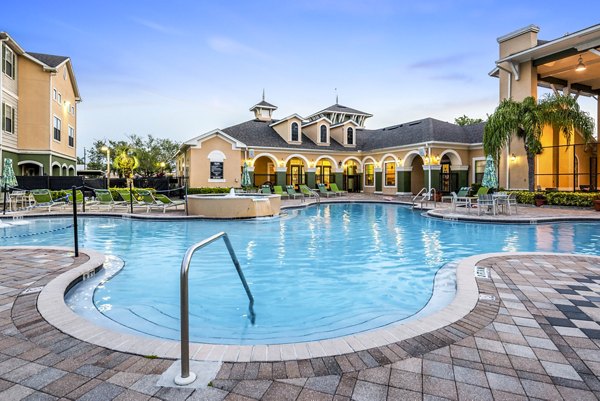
[[186, 376]]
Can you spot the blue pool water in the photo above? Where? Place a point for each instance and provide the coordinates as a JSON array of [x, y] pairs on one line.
[[316, 273]]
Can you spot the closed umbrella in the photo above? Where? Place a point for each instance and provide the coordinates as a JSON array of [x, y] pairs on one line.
[[8, 175], [490, 179], [246, 181]]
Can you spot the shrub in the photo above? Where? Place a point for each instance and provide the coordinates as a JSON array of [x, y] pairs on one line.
[[580, 199], [207, 190]]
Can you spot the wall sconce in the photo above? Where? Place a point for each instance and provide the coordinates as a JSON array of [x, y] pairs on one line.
[[399, 163], [339, 164], [513, 158], [281, 163]]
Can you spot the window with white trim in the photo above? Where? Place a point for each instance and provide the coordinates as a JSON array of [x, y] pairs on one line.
[[8, 61], [54, 94], [71, 136], [59, 99], [390, 174], [369, 175], [57, 128], [295, 133], [323, 137], [8, 118], [350, 136]]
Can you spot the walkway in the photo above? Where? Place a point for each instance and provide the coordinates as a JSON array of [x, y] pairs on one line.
[[534, 334]]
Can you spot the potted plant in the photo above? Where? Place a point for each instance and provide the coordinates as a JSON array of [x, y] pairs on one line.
[[597, 205], [539, 199]]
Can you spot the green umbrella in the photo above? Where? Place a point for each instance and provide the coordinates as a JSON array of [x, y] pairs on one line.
[[490, 179], [8, 175], [246, 181]]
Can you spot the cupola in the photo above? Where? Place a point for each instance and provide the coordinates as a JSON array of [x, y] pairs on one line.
[[263, 111]]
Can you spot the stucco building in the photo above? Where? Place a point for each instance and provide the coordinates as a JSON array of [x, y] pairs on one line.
[[333, 145], [39, 97]]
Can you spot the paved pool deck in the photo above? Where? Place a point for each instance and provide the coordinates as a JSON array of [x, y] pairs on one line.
[[533, 333]]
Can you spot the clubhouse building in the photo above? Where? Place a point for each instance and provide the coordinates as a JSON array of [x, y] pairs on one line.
[[334, 145]]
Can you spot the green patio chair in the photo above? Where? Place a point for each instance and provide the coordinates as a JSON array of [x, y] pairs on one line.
[[131, 200], [482, 191], [308, 193], [105, 199], [265, 189], [43, 199], [279, 191], [324, 192], [292, 192], [79, 197], [334, 188], [168, 202]]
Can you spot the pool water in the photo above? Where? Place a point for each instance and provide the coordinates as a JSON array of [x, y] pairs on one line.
[[316, 273]]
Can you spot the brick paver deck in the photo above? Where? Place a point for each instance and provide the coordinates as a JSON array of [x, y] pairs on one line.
[[534, 335]]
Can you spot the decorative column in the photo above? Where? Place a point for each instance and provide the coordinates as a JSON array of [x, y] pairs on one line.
[[281, 176], [311, 180], [463, 175], [403, 176], [378, 180], [435, 176], [339, 177]]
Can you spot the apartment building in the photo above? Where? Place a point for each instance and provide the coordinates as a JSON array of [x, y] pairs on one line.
[[39, 100]]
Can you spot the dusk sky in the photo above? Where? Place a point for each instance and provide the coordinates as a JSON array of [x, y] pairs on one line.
[[178, 69]]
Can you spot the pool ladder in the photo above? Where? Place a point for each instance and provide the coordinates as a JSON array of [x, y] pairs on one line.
[[186, 376]]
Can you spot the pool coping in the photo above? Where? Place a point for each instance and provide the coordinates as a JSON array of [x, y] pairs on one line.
[[52, 307]]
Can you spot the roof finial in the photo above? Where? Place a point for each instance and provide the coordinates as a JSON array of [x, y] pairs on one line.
[[336, 96], [263, 94]]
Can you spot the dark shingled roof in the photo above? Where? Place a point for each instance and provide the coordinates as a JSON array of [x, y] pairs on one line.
[[49, 59], [338, 108], [260, 134], [264, 104], [419, 131]]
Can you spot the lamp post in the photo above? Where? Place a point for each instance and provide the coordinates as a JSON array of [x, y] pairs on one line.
[[107, 150]]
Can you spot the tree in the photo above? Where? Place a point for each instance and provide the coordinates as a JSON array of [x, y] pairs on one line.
[[156, 155], [125, 161], [527, 119], [464, 120]]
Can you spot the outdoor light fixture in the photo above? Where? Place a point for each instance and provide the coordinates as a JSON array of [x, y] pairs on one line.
[[580, 65], [107, 150], [513, 158]]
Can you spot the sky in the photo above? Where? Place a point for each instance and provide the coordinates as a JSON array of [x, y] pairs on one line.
[[176, 69]]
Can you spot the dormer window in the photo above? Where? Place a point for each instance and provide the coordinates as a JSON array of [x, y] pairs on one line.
[[295, 135], [350, 136], [323, 136]]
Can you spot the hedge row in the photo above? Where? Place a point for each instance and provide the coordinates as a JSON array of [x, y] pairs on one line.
[[581, 199]]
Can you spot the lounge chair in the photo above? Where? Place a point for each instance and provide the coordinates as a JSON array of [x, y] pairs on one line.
[[79, 198], [129, 199], [482, 191], [265, 189], [43, 199], [168, 201], [334, 188], [152, 203], [460, 201], [279, 191], [324, 192], [462, 192], [307, 191], [505, 201], [292, 192], [104, 198]]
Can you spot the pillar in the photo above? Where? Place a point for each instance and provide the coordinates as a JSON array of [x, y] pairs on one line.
[[403, 180], [311, 180], [463, 175], [435, 176], [378, 180], [281, 176], [339, 177]]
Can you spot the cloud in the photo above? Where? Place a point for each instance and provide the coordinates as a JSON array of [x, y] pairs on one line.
[[156, 26], [440, 61], [224, 45]]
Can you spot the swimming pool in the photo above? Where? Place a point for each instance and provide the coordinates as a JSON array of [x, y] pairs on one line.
[[320, 272]]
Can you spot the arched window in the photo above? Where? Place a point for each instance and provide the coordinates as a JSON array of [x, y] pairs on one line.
[[323, 134], [350, 136], [294, 132]]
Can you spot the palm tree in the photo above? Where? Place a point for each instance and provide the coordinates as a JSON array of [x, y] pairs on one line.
[[125, 160], [527, 119]]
